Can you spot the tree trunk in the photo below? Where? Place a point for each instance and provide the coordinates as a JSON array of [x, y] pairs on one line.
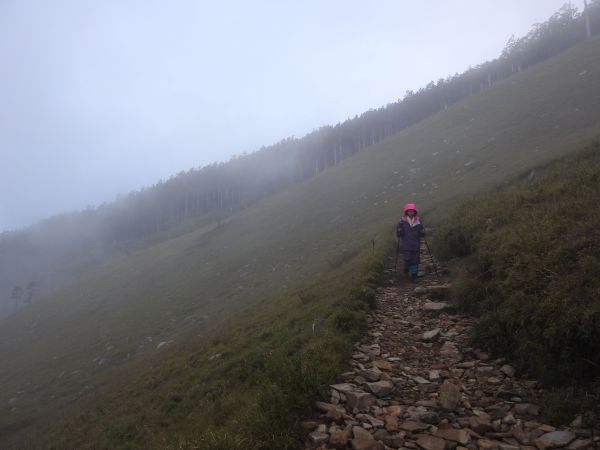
[[586, 11]]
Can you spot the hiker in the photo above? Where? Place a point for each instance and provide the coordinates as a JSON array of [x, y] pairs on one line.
[[410, 230]]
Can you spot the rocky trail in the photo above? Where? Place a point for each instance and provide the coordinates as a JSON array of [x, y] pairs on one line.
[[415, 383]]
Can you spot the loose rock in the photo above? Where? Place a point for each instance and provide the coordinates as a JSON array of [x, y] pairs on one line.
[[554, 439], [449, 396], [427, 442]]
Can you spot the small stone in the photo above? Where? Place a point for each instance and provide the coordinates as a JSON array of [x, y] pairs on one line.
[[531, 425], [309, 424], [505, 446], [343, 387], [380, 434], [580, 444], [526, 409], [383, 365], [318, 437], [428, 417], [413, 427], [391, 423], [466, 365], [358, 432], [431, 335], [394, 410], [486, 444], [371, 375], [577, 422], [524, 437], [449, 396], [481, 424], [335, 397], [450, 351], [366, 418], [434, 375], [436, 306], [339, 439], [427, 442], [393, 441], [361, 401], [451, 434], [554, 439], [507, 370], [334, 412], [509, 419], [427, 403], [420, 380], [381, 388], [363, 440]]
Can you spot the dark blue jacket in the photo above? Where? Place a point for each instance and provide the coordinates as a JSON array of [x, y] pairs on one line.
[[411, 236]]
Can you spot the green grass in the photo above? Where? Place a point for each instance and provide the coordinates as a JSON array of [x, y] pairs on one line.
[[251, 288], [271, 369], [527, 263]]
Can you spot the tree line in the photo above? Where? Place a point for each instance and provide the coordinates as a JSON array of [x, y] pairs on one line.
[[248, 177]]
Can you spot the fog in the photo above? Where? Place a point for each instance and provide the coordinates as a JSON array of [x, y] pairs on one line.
[[99, 98]]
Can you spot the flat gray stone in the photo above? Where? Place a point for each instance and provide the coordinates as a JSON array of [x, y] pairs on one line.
[[381, 388], [436, 306], [431, 335], [554, 439], [343, 387]]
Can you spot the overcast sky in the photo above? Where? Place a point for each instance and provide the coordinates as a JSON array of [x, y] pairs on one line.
[[102, 97]]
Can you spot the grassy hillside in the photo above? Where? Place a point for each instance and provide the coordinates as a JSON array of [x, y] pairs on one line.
[[531, 268], [174, 344], [527, 263]]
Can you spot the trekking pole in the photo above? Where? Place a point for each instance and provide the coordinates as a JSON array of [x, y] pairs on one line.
[[397, 253], [432, 261]]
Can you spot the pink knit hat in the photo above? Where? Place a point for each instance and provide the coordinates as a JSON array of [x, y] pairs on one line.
[[410, 206]]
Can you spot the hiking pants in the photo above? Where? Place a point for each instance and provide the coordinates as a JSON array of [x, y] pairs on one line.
[[411, 259]]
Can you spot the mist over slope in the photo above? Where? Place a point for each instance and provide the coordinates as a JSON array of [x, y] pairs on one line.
[[156, 301], [40, 258]]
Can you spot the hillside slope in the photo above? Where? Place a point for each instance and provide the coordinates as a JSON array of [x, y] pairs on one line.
[[291, 256], [528, 265]]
